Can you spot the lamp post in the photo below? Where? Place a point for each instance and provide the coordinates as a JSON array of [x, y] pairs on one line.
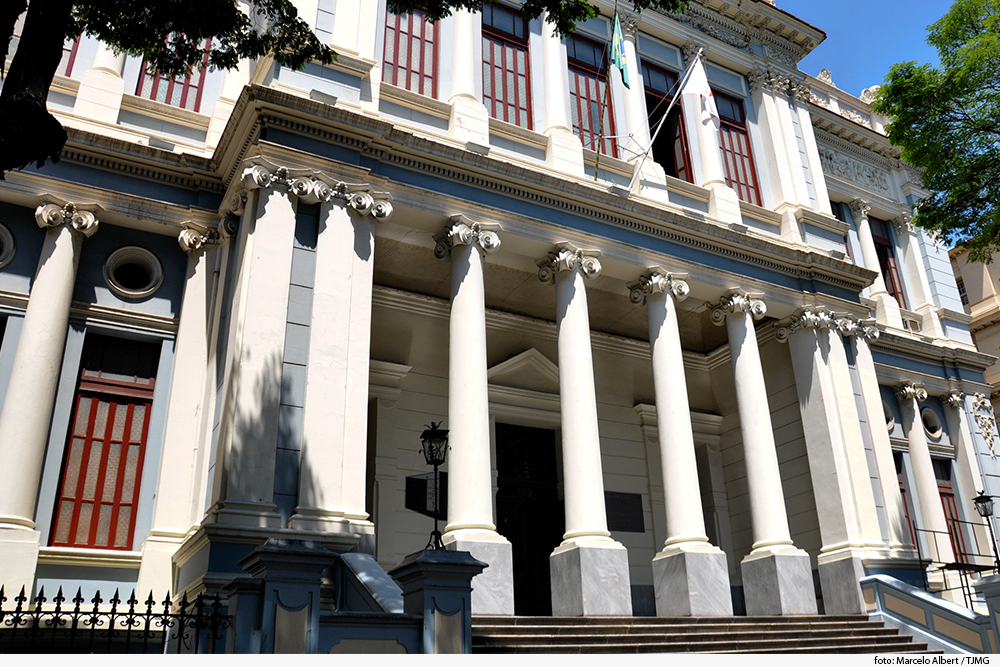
[[434, 442], [984, 506]]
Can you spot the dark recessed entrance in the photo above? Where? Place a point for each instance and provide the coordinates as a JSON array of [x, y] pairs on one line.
[[529, 512]]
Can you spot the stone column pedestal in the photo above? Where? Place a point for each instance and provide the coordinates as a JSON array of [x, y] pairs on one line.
[[692, 580], [590, 578], [778, 582]]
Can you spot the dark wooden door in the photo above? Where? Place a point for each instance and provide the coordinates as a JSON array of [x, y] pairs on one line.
[[529, 512]]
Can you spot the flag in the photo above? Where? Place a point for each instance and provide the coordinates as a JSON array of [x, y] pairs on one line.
[[618, 52], [697, 84]]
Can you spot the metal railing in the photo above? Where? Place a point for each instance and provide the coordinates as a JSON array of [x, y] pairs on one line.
[[966, 557], [117, 626]]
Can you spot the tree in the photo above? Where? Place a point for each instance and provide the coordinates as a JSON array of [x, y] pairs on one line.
[[947, 122], [170, 35]]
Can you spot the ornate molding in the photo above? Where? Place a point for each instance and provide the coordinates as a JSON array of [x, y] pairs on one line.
[[79, 218], [800, 92], [849, 325], [738, 301], [903, 223], [313, 187], [658, 281], [866, 175], [952, 399], [815, 319], [194, 237], [569, 258], [630, 24], [462, 231], [868, 94], [690, 50], [982, 410], [769, 80], [910, 391], [860, 208]]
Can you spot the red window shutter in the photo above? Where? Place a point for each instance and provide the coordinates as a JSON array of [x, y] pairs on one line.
[[410, 56], [737, 159]]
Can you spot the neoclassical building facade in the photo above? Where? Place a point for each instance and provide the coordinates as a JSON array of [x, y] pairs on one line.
[[738, 385]]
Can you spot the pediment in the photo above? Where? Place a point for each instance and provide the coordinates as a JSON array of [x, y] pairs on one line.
[[530, 370]]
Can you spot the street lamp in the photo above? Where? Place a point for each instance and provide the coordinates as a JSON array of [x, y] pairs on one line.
[[434, 441], [984, 507]]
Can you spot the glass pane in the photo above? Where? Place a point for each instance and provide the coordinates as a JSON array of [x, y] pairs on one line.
[[101, 421], [118, 430], [65, 522], [93, 470], [82, 415], [131, 466], [73, 460], [83, 524], [111, 473], [138, 421], [122, 533], [103, 526]]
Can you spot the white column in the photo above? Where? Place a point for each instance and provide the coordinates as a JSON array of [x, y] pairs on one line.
[[564, 150], [182, 436], [910, 395], [777, 577], [333, 460], [590, 575], [31, 393], [690, 576], [637, 128], [888, 308], [920, 299], [470, 479], [470, 121], [966, 466], [723, 202], [101, 89]]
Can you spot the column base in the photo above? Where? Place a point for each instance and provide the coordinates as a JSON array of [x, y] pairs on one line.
[[590, 578], [778, 583], [469, 121], [724, 204], [246, 514], [564, 152], [887, 310], [692, 581], [839, 579], [20, 560], [493, 588], [99, 96], [156, 570]]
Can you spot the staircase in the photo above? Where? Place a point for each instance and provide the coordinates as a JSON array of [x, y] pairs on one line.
[[740, 634]]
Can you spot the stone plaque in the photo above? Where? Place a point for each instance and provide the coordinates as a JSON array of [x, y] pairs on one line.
[[624, 512]]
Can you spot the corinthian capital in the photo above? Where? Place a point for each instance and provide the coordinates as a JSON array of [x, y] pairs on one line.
[[462, 231], [816, 319], [313, 187], [630, 24], [195, 236], [569, 258], [738, 301], [768, 79], [658, 281], [53, 215], [860, 208], [848, 325], [903, 223], [953, 399], [911, 390]]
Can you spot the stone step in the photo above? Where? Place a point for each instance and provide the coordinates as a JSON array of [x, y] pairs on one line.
[[638, 637], [670, 629], [661, 620], [901, 646]]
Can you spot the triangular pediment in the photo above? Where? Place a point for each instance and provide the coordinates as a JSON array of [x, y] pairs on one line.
[[529, 370]]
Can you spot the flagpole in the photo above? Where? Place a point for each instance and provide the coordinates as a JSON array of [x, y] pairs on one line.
[[659, 126]]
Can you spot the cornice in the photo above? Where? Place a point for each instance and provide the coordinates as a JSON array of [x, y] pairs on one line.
[[411, 100], [919, 350], [855, 138]]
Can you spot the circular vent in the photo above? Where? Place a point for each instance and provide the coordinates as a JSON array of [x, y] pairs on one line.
[[7, 246], [133, 273]]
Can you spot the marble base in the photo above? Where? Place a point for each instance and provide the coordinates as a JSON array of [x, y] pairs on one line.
[[590, 579], [493, 588], [778, 583], [724, 203], [839, 579], [20, 560], [692, 582], [564, 152], [469, 121]]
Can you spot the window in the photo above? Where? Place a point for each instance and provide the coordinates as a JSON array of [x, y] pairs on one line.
[[410, 57], [962, 294], [670, 149], [590, 103], [897, 458], [69, 48], [184, 93], [102, 467], [887, 259], [942, 471], [506, 84], [735, 141]]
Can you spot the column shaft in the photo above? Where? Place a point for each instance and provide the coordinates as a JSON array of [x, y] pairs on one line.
[[636, 123]]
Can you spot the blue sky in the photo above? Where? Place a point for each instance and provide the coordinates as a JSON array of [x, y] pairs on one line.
[[865, 37]]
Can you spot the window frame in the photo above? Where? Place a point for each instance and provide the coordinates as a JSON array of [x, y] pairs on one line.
[[728, 127], [885, 249], [435, 45], [681, 136], [186, 84], [507, 40], [599, 73]]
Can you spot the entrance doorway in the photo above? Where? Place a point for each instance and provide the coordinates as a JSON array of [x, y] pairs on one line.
[[529, 512]]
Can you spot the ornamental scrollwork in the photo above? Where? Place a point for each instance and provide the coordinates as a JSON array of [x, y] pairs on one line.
[[860, 208], [465, 232], [816, 319], [953, 399], [911, 391], [53, 215], [569, 259], [738, 301], [903, 223], [659, 282], [195, 236], [769, 80], [313, 187], [982, 410]]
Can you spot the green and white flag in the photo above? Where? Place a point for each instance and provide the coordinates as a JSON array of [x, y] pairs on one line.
[[618, 52]]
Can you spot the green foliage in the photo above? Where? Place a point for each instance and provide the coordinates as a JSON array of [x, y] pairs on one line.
[[947, 122]]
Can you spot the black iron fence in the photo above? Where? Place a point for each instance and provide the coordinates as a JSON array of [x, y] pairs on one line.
[[964, 550], [112, 626]]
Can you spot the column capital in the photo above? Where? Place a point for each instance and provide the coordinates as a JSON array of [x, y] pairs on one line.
[[911, 390], [903, 223], [659, 281], [738, 301], [860, 207], [630, 24], [462, 231], [569, 258], [314, 187], [849, 325], [952, 399], [690, 50], [769, 80], [800, 91], [81, 218], [817, 319], [982, 411], [196, 236]]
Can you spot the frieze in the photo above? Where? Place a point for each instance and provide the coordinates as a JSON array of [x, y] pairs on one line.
[[855, 116], [741, 30], [982, 411], [867, 176]]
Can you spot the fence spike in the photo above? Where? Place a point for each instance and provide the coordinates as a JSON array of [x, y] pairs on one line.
[[79, 599], [40, 598], [149, 603]]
